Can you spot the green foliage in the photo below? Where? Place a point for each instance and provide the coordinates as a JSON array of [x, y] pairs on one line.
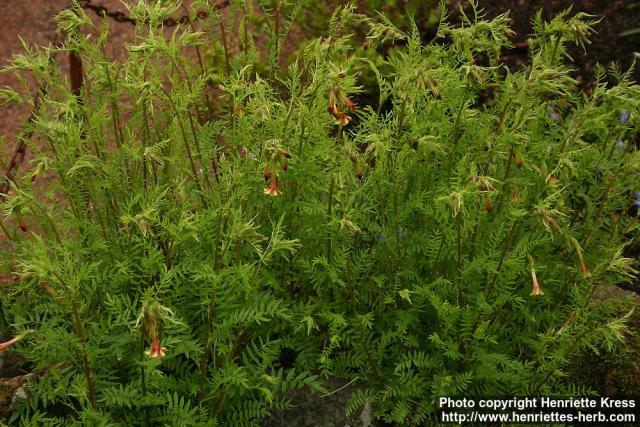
[[397, 246]]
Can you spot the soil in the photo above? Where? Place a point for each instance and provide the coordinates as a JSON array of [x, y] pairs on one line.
[[607, 45]]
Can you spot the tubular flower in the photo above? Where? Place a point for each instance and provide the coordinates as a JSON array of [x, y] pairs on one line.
[[350, 105], [487, 203], [584, 270], [339, 114], [23, 225], [535, 286], [151, 315], [156, 350], [272, 189], [518, 161], [5, 345]]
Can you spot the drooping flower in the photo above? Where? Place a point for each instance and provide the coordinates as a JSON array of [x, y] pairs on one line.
[[5, 345], [487, 202], [624, 116], [272, 189], [151, 313], [338, 101], [350, 105], [518, 160], [156, 350], [535, 286], [22, 224], [584, 270]]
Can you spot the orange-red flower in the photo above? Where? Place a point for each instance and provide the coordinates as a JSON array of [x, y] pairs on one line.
[[272, 189], [22, 224], [338, 101], [487, 203], [151, 317], [350, 105], [5, 345], [518, 161], [156, 350]]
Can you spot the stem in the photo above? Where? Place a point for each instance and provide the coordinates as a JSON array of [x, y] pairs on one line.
[[200, 61], [276, 13], [79, 330], [145, 420], [458, 231], [224, 45], [329, 209], [551, 369], [456, 137], [186, 145], [504, 180], [217, 256], [556, 45], [5, 231], [505, 250]]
